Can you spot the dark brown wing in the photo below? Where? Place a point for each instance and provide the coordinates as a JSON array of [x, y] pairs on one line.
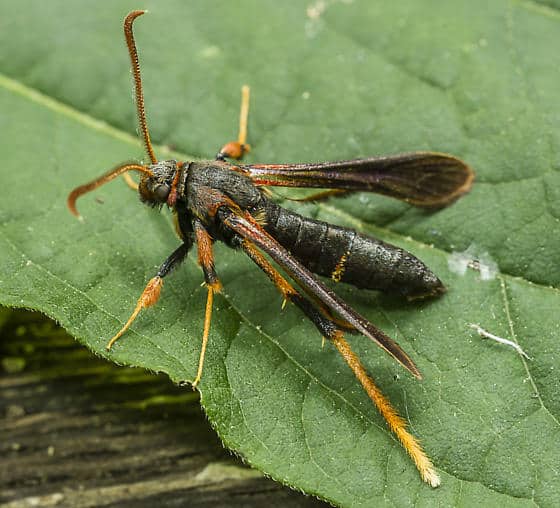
[[427, 179], [248, 229]]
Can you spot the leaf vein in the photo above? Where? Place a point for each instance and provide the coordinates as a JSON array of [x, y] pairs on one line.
[[521, 357]]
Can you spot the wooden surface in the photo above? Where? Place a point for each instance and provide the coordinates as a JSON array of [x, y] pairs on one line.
[[78, 431]]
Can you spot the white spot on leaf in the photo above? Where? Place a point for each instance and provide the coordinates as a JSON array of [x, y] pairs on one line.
[[476, 259]]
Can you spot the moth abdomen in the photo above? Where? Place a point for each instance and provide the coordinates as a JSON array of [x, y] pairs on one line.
[[346, 255]]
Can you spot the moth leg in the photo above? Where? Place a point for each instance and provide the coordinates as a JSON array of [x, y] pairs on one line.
[[331, 330], [291, 294], [213, 285], [130, 181], [322, 196], [151, 292], [237, 149], [396, 423]]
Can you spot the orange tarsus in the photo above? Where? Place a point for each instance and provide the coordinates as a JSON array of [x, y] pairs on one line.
[[205, 333], [103, 179], [396, 423], [149, 297], [133, 52]]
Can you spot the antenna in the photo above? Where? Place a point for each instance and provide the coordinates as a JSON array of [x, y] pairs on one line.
[[133, 52]]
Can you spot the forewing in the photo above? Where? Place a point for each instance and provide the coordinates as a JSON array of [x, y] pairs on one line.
[[427, 179]]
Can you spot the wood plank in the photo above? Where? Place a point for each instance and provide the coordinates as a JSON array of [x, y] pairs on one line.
[[79, 431]]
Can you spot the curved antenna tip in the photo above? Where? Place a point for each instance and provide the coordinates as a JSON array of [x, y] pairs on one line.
[[71, 204], [138, 93], [136, 13], [103, 179]]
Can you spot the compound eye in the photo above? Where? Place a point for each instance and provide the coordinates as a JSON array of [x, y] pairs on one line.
[[161, 192]]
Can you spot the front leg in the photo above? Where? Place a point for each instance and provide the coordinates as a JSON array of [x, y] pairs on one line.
[[151, 292]]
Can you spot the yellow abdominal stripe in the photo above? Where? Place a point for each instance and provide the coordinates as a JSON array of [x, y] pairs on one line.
[[340, 267]]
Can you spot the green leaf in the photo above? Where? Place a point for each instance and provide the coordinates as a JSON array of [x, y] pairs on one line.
[[330, 80]]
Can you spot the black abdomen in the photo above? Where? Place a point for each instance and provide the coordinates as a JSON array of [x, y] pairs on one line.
[[348, 256]]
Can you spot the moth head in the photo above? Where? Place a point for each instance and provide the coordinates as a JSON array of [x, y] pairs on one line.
[[158, 187]]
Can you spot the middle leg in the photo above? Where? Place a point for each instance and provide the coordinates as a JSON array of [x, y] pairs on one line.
[[206, 260]]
